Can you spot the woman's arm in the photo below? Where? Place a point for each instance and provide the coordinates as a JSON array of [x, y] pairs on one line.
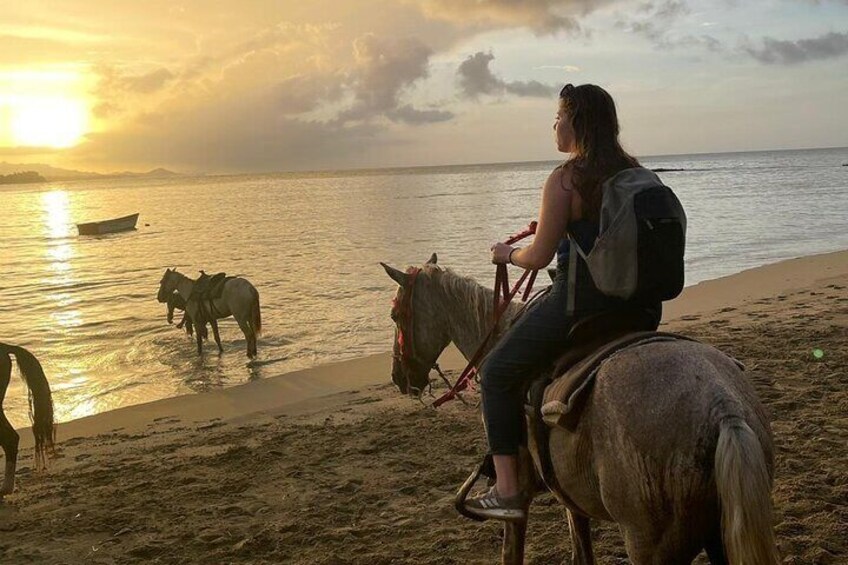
[[553, 219]]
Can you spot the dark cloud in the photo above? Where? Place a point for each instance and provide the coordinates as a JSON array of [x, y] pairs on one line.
[[409, 115], [476, 79], [655, 23], [246, 134], [383, 70], [779, 52], [304, 93]]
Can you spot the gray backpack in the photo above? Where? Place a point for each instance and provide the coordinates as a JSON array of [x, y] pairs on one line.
[[638, 254]]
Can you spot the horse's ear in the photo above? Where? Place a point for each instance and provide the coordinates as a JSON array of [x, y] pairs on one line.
[[432, 260], [397, 276]]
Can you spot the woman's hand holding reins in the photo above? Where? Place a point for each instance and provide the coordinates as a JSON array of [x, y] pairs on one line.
[[500, 253]]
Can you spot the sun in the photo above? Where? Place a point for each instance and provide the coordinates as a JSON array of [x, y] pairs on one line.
[[47, 121], [45, 106]]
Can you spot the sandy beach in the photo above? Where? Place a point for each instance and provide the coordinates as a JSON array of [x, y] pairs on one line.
[[331, 466]]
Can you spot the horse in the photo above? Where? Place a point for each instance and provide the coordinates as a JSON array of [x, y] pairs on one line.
[[40, 411], [238, 299], [671, 443]]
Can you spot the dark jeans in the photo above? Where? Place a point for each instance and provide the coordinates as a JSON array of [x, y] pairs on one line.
[[532, 344]]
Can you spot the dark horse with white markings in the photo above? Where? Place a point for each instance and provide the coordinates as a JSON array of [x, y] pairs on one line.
[[671, 443], [238, 299], [40, 411]]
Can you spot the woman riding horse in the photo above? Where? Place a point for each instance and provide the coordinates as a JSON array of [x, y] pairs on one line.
[[586, 127]]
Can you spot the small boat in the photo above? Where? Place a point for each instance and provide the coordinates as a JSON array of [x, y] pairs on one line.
[[108, 226]]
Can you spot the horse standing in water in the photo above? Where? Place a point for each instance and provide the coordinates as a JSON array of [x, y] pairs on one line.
[[40, 410], [238, 299], [671, 443]]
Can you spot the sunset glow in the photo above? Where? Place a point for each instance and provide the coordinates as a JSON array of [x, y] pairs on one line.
[[43, 108], [48, 122]]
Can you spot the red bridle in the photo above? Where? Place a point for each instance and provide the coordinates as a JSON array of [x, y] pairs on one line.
[[402, 314]]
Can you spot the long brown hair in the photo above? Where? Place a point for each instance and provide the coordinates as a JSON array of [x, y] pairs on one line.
[[598, 154]]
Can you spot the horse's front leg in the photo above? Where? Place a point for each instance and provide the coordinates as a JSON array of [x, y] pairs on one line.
[[515, 535], [215, 334], [581, 539]]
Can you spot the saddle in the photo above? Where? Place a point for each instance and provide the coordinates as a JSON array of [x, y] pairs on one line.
[[206, 289], [210, 287]]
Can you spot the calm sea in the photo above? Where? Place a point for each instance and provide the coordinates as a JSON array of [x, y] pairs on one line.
[[311, 244]]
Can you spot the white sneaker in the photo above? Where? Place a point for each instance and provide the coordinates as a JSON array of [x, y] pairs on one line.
[[491, 505]]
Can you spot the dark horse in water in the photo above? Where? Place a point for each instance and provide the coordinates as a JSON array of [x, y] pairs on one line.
[[40, 411]]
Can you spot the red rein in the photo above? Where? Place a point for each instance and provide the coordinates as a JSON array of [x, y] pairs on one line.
[[503, 296]]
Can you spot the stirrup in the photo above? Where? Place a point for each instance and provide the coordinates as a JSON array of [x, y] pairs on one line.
[[487, 469]]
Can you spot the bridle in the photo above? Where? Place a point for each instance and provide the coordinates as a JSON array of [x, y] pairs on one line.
[[402, 313]]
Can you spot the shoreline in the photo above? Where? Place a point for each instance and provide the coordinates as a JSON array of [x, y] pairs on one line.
[[288, 391]]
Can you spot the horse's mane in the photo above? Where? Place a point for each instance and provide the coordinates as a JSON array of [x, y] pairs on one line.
[[468, 293]]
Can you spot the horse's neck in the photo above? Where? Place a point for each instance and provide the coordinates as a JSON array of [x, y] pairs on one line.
[[470, 309], [184, 287]]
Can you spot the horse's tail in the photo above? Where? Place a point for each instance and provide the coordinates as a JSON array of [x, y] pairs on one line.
[[744, 489], [40, 401], [255, 314]]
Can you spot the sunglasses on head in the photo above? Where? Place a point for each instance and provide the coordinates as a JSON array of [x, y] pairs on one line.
[[566, 90]]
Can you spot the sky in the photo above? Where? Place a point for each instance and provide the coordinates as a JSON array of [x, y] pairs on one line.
[[236, 86]]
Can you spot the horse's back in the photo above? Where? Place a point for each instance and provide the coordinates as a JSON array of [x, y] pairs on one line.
[[650, 427], [663, 395], [240, 296]]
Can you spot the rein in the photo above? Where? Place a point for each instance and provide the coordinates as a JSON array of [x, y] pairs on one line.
[[503, 296]]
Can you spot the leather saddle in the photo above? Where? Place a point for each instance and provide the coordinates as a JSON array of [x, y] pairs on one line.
[[590, 341], [210, 287]]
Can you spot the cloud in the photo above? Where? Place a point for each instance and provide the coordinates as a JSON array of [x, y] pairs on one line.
[[412, 116], [20, 151], [476, 79], [566, 68], [383, 70], [274, 105], [656, 22], [145, 83], [541, 16], [779, 52]]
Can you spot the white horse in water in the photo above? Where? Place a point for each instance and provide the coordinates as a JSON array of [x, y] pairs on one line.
[[238, 299], [671, 443]]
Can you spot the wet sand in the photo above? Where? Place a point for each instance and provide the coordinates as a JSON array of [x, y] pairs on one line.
[[332, 466]]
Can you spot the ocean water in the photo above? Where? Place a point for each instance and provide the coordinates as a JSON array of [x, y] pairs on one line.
[[312, 243]]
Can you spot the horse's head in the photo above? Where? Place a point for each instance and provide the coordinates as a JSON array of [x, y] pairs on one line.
[[167, 285], [421, 327]]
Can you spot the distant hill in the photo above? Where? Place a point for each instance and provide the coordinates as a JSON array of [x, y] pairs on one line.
[[54, 173], [22, 177]]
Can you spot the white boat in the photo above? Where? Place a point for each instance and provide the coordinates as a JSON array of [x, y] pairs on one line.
[[108, 226]]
